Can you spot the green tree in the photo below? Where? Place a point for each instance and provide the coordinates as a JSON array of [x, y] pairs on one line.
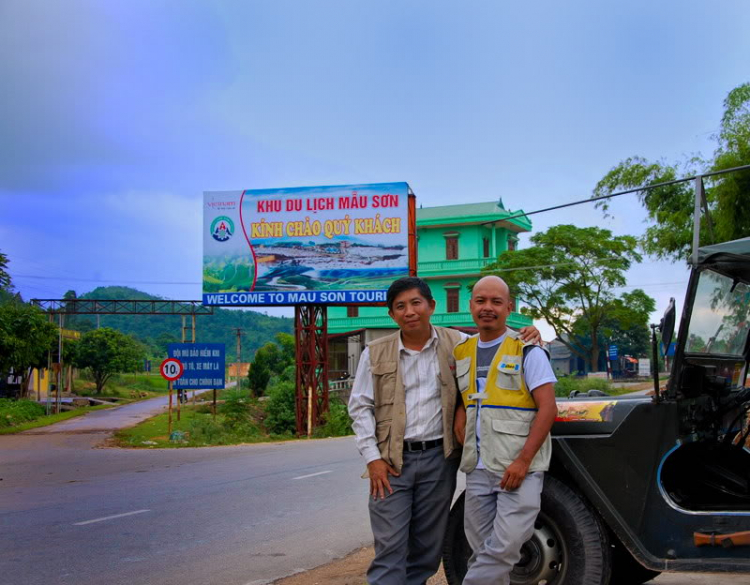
[[7, 293], [671, 207], [259, 374], [4, 276], [163, 340], [625, 324], [566, 276], [270, 360], [26, 336], [106, 352], [281, 415]]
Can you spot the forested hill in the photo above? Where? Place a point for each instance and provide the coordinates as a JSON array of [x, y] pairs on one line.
[[158, 330]]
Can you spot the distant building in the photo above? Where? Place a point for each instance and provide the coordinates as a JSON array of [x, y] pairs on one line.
[[454, 242]]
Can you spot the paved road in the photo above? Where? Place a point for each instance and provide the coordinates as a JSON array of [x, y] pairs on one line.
[[112, 419], [70, 514]]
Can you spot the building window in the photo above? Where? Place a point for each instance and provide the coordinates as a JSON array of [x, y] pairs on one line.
[[352, 311], [486, 247], [451, 248], [511, 245], [452, 300]]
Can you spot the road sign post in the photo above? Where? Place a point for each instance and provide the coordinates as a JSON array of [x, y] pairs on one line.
[[171, 369]]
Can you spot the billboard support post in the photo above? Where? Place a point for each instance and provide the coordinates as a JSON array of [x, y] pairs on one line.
[[311, 341], [169, 424]]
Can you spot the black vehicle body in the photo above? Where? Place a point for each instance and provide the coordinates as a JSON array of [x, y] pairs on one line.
[[655, 483]]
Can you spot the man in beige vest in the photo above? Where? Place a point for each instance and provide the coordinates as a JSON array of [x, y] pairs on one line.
[[402, 406]]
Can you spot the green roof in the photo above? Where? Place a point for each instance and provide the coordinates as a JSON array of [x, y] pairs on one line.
[[488, 211]]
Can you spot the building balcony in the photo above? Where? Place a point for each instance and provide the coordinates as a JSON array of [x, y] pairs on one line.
[[452, 267], [341, 324]]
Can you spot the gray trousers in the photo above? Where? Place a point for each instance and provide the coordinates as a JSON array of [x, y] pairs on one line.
[[497, 523], [408, 525]]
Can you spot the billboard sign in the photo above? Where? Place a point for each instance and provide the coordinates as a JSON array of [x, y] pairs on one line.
[[203, 365], [308, 245], [644, 368]]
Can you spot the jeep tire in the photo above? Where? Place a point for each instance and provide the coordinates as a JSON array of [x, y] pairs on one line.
[[569, 546]]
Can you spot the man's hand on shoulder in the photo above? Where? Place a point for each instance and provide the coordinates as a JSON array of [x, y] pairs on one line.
[[378, 471], [530, 334]]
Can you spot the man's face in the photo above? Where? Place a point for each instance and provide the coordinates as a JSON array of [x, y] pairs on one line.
[[490, 306], [412, 312]]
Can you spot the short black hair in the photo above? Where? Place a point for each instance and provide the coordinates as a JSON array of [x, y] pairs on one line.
[[407, 283]]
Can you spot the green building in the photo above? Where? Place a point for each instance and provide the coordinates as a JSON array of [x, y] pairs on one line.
[[454, 242]]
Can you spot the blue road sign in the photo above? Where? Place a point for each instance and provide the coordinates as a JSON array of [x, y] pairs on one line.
[[613, 352], [670, 350], [205, 364]]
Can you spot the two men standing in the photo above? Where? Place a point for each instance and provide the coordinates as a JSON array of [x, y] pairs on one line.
[[403, 405]]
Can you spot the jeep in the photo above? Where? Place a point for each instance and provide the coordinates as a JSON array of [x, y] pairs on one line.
[[640, 485]]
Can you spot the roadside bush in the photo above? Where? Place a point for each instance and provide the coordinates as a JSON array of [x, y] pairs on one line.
[[336, 421], [204, 430], [235, 408], [15, 412], [566, 384], [280, 408]]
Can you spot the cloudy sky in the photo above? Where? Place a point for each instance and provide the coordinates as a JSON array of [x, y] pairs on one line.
[[115, 116]]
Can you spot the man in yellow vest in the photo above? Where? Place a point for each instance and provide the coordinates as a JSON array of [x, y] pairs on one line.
[[508, 407], [402, 407]]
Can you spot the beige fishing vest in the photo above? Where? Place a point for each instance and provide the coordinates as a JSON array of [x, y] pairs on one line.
[[390, 397]]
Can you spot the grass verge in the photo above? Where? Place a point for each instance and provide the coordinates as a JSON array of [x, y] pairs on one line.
[[198, 428]]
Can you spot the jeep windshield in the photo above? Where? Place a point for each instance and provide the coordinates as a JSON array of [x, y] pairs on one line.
[[719, 320]]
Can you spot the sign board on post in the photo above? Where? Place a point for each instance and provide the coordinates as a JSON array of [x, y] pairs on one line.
[[204, 365], [308, 245], [613, 352], [644, 367]]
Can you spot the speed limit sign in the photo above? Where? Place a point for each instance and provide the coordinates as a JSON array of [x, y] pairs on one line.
[[171, 369]]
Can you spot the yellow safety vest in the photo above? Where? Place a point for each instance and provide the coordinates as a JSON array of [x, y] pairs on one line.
[[505, 386], [508, 408]]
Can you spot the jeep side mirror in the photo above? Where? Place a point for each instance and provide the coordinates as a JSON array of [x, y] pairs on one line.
[[667, 325]]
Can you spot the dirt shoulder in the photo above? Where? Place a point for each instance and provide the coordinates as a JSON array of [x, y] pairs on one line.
[[350, 570]]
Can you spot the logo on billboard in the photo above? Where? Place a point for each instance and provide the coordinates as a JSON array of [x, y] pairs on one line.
[[222, 228]]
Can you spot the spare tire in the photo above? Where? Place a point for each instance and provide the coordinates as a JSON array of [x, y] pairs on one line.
[[569, 547]]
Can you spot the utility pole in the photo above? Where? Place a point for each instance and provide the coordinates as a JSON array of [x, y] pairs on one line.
[[239, 352]]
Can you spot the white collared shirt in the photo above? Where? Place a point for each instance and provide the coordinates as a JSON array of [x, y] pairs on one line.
[[424, 411]]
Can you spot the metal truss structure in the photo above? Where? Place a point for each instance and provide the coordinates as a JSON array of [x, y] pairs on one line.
[[311, 332], [121, 307]]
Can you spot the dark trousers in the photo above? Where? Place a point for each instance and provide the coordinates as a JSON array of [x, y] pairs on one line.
[[409, 524]]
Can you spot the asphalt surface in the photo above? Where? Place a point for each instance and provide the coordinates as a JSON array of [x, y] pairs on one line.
[[74, 514]]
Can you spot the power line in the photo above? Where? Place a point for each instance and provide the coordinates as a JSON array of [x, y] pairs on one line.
[[625, 192]]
